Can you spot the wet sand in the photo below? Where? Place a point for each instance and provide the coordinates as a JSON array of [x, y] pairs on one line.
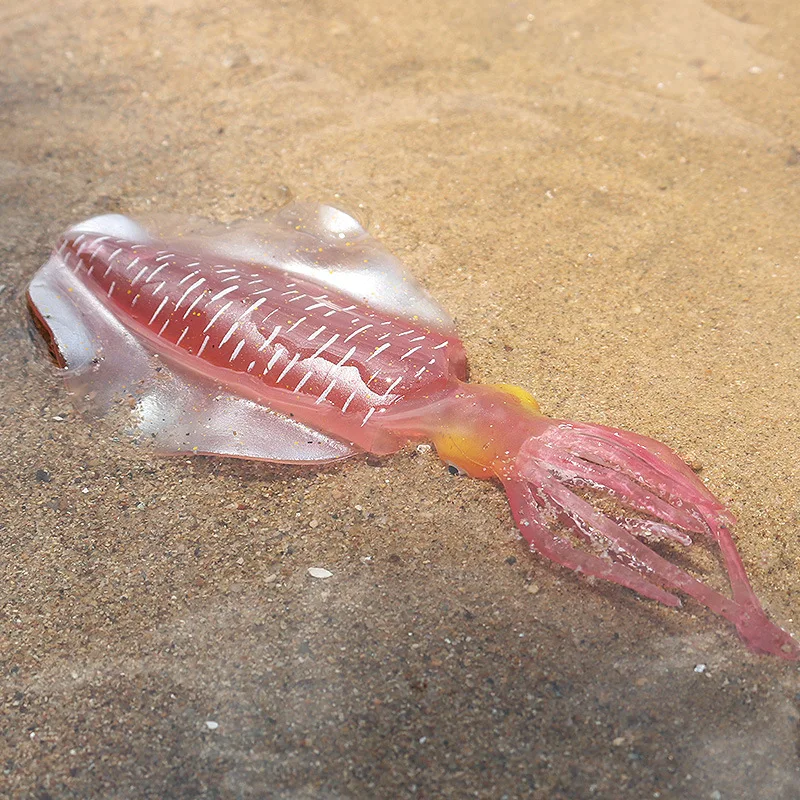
[[606, 196]]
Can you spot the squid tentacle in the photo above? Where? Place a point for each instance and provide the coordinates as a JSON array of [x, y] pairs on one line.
[[650, 530], [624, 489], [645, 459], [548, 470], [535, 530], [630, 450]]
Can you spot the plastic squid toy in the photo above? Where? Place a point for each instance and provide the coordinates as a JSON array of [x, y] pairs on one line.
[[300, 340]]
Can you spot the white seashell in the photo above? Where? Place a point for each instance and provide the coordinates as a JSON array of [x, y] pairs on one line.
[[319, 572]]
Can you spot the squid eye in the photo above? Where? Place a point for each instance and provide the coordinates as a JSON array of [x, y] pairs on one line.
[[454, 470]]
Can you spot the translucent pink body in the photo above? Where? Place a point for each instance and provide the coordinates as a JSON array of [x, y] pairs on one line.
[[302, 340], [269, 334]]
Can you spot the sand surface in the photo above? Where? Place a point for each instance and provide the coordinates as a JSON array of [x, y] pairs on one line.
[[606, 196]]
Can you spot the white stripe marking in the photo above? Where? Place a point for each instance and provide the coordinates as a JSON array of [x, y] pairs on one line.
[[158, 310], [220, 295], [271, 363], [194, 303], [389, 390], [98, 242], [325, 346], [303, 381], [202, 347], [111, 288], [346, 356], [377, 351], [268, 340], [286, 369], [236, 324], [274, 311], [156, 271], [349, 400], [367, 416], [317, 332], [180, 338], [322, 397], [356, 332], [187, 278], [412, 350], [132, 263], [218, 315], [236, 351], [198, 282]]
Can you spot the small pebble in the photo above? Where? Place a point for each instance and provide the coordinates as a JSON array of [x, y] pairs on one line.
[[211, 725], [700, 668], [319, 572]]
